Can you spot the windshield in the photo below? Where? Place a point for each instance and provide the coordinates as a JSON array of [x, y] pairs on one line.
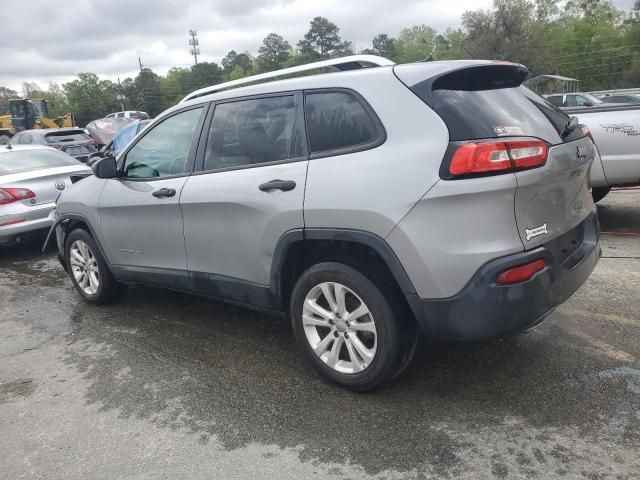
[[17, 161], [40, 109]]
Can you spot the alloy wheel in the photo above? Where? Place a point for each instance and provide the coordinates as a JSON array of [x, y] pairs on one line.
[[84, 267], [339, 327]]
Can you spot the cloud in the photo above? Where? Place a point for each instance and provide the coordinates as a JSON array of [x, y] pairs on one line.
[[44, 41]]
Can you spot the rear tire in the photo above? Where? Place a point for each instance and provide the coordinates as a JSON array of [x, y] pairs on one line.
[[354, 338], [598, 193], [88, 270]]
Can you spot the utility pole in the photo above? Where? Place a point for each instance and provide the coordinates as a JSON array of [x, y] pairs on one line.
[[194, 42], [143, 83]]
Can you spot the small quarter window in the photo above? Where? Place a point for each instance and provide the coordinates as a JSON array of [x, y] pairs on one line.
[[337, 120]]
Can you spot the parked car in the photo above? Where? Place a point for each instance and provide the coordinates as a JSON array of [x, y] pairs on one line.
[[366, 205], [571, 100], [134, 114], [124, 136], [72, 141], [620, 98], [31, 179], [616, 132]]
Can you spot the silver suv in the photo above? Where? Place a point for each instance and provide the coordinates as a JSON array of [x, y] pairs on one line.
[[368, 205]]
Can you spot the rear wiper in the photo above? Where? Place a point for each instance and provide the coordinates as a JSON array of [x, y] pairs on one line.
[[573, 123]]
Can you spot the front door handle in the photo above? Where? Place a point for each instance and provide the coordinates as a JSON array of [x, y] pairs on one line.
[[284, 185], [164, 192]]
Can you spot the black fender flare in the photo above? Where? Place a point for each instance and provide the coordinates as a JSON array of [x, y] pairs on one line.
[[375, 242], [64, 217]]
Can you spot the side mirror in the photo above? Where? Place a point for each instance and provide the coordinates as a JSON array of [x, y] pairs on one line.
[[105, 168]]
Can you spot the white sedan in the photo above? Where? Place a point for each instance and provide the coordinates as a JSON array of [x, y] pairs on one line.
[[31, 179]]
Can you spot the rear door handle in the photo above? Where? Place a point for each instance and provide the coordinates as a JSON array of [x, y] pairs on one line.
[[164, 192], [284, 185]]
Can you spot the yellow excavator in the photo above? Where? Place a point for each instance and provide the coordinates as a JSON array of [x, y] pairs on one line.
[[28, 114]]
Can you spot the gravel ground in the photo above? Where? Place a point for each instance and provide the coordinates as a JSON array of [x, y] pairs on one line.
[[164, 385]]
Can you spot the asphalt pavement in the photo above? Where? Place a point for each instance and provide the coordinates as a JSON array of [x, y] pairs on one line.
[[166, 385]]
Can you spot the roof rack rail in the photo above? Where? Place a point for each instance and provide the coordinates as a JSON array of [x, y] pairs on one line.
[[352, 62]]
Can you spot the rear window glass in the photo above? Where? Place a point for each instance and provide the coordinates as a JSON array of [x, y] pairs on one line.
[[503, 112], [17, 161], [64, 137], [338, 120]]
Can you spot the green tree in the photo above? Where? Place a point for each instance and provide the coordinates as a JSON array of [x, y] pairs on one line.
[[383, 45], [234, 59], [415, 43], [323, 41], [90, 98], [275, 50]]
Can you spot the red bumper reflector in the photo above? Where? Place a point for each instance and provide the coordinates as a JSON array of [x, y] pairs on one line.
[[12, 222], [521, 273]]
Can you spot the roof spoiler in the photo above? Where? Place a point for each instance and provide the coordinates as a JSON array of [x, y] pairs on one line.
[[473, 77], [352, 62]]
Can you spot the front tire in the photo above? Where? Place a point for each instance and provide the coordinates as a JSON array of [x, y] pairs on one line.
[[88, 270], [347, 328]]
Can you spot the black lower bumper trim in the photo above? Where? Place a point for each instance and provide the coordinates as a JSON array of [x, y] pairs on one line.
[[484, 310]]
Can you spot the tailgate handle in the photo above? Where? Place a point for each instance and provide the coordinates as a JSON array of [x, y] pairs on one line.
[[164, 192], [284, 185]]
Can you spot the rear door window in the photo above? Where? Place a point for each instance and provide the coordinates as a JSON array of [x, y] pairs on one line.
[[339, 120], [250, 132]]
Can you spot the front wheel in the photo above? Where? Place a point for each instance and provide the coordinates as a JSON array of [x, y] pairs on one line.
[[4, 139], [347, 328], [88, 270]]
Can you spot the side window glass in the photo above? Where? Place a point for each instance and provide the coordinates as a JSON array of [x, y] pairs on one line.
[[120, 115], [25, 139], [572, 101], [249, 132], [583, 102], [164, 150], [337, 120]]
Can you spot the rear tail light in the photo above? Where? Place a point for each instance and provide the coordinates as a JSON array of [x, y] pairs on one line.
[[588, 133], [486, 157], [12, 222], [56, 146], [10, 195], [520, 273]]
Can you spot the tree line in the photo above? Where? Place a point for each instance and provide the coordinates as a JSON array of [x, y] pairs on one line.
[[590, 40]]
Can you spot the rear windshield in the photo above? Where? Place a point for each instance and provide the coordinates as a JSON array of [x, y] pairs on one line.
[[65, 137], [16, 161], [502, 112]]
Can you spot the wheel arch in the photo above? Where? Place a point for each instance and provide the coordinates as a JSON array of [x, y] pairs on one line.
[[69, 222], [298, 249]]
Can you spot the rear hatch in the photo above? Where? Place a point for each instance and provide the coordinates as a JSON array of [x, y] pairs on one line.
[[489, 113], [73, 142]]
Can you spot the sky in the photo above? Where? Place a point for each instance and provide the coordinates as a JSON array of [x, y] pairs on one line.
[[46, 40]]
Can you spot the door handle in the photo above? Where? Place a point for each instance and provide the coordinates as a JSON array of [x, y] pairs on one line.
[[284, 185], [164, 192]]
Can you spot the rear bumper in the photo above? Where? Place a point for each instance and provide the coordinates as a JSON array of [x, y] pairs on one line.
[[484, 310], [32, 220]]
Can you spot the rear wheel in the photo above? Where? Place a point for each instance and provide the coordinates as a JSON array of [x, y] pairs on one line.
[[88, 270], [598, 193], [347, 328]]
